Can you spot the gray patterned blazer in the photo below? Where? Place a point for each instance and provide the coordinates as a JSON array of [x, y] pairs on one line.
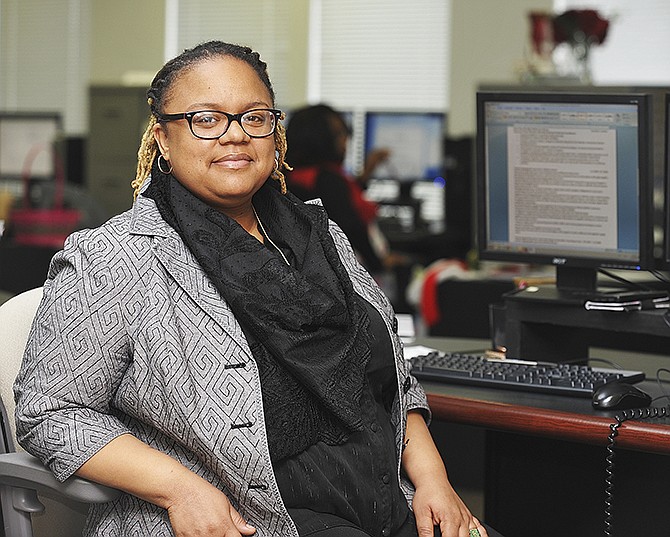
[[132, 337]]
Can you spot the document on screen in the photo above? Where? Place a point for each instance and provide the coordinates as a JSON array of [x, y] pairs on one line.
[[561, 186]]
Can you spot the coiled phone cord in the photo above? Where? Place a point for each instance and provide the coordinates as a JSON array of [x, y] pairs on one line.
[[637, 414]]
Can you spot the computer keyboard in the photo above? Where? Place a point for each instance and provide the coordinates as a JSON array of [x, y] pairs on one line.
[[521, 375]]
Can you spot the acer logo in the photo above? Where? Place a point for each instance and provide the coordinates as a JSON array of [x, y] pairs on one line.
[[558, 261]]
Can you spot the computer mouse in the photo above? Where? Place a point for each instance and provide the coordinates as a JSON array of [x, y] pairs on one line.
[[619, 396]]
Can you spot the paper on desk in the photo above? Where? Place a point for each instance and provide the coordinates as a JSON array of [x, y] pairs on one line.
[[405, 325], [406, 328]]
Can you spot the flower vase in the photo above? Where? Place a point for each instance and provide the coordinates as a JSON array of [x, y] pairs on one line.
[[538, 63], [580, 49]]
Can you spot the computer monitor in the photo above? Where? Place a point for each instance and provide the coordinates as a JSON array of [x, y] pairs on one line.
[[564, 179], [27, 141], [410, 184], [414, 141]]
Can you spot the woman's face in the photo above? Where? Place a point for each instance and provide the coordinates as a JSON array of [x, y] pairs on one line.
[[227, 172], [340, 135]]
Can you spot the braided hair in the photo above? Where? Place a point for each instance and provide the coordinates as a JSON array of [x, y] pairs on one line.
[[162, 84]]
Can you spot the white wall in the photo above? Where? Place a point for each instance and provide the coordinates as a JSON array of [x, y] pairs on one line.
[[126, 36], [489, 40]]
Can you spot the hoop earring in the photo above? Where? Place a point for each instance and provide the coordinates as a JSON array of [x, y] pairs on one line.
[[161, 167]]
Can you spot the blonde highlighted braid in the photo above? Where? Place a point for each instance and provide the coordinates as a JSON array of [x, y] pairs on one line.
[[280, 148], [145, 156], [162, 83]]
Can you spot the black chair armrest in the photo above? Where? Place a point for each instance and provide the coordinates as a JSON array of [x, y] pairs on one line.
[[23, 470]]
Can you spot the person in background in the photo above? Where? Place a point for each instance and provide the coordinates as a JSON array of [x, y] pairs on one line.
[[218, 353], [317, 143]]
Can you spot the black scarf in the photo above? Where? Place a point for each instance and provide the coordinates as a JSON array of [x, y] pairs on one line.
[[306, 329]]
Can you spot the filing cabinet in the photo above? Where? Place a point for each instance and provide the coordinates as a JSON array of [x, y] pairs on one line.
[[118, 117]]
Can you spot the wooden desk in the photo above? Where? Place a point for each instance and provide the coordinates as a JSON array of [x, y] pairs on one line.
[[546, 416], [545, 464]]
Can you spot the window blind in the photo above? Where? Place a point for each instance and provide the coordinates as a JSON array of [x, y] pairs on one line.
[[262, 25], [380, 54], [43, 69]]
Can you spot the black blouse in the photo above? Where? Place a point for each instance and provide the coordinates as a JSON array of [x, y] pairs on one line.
[[357, 480]]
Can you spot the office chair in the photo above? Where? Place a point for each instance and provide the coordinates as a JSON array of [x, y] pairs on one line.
[[22, 476]]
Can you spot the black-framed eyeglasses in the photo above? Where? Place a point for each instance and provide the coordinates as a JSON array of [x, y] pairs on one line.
[[212, 124]]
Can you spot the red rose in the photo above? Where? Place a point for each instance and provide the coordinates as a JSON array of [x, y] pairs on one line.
[[588, 21]]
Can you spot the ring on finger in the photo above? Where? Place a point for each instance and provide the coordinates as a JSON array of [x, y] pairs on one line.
[[474, 533]]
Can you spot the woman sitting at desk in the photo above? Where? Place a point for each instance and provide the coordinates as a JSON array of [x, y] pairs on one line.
[[217, 352], [317, 143]]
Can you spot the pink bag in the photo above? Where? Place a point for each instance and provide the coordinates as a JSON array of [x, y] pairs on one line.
[[46, 227]]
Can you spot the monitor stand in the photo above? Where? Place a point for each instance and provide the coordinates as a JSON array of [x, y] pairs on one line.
[[576, 285], [552, 322], [576, 280]]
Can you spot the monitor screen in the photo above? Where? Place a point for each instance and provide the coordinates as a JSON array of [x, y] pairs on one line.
[[414, 141], [27, 142], [565, 179]]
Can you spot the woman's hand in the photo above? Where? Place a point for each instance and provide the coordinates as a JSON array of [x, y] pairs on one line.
[[439, 505], [196, 507], [435, 501], [373, 159], [203, 510]]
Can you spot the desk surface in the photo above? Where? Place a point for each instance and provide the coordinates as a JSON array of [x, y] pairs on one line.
[[550, 416]]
